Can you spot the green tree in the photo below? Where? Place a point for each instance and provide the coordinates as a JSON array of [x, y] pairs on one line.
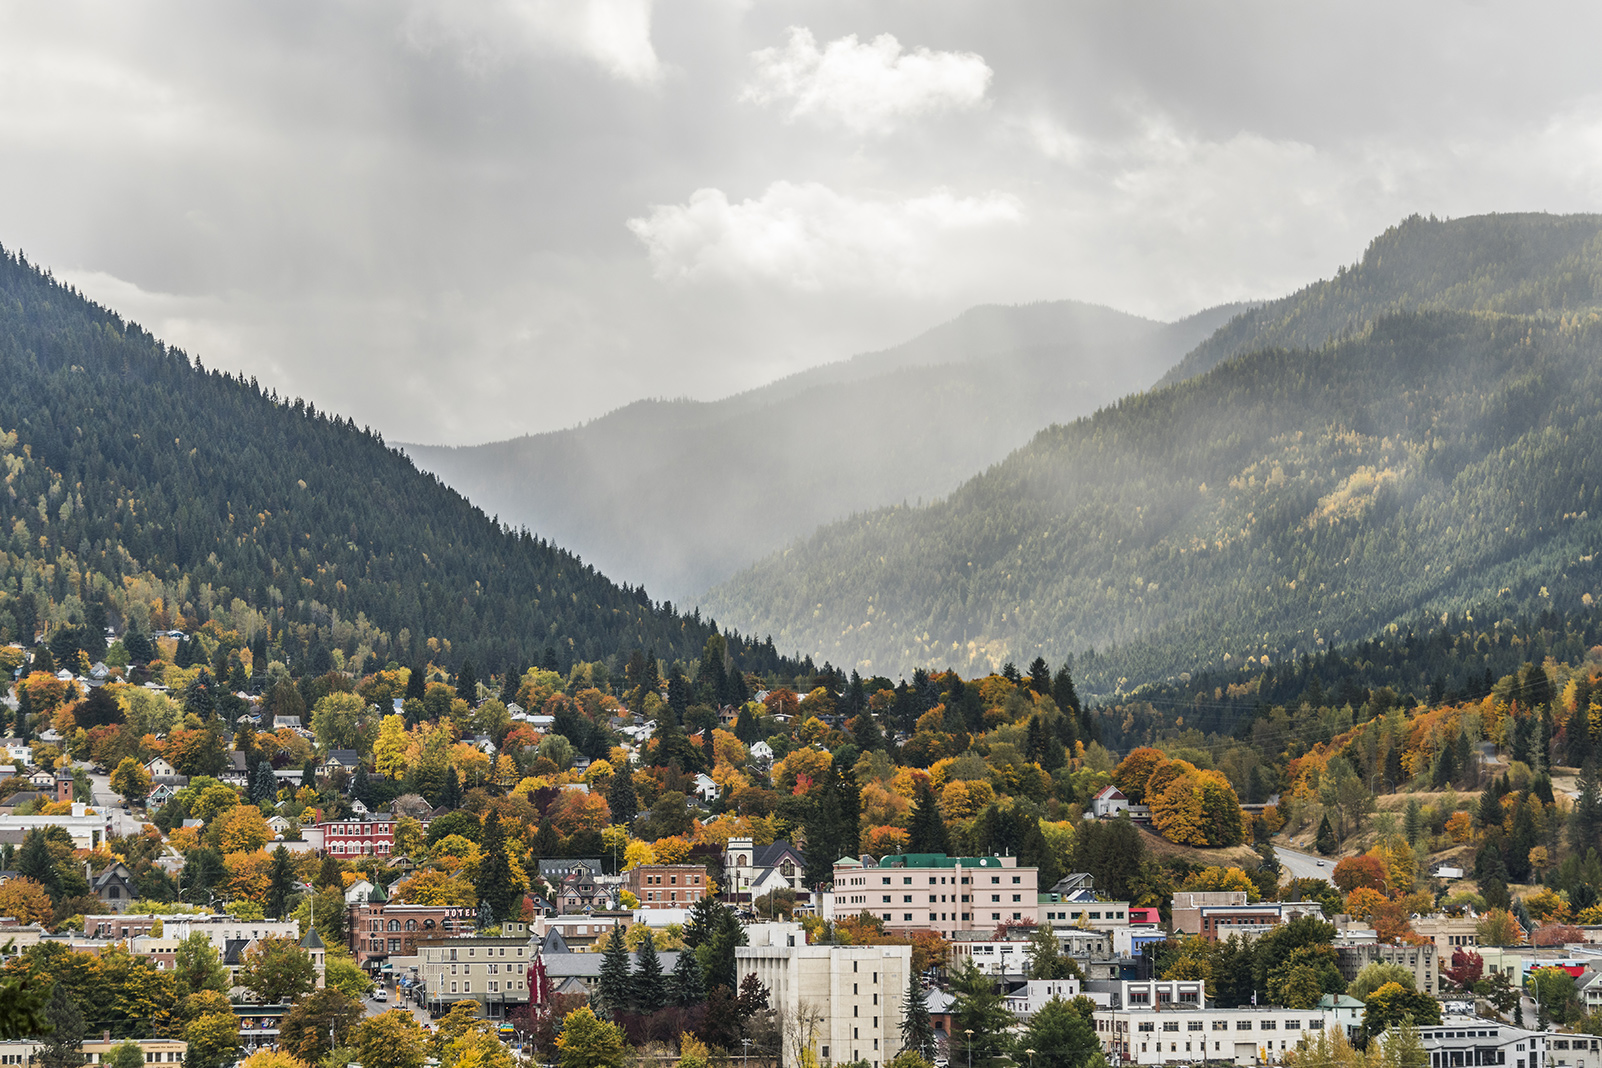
[[1393, 1004], [342, 973], [1046, 959], [587, 1041], [62, 1047], [1376, 974], [124, 1055], [621, 798], [277, 970], [649, 992], [1325, 841], [1060, 1037], [926, 830], [213, 1040], [917, 1030], [280, 883], [615, 988], [197, 966], [980, 1018], [35, 861], [495, 884], [131, 780], [393, 1039], [335, 721], [1585, 829], [307, 1026], [685, 987]]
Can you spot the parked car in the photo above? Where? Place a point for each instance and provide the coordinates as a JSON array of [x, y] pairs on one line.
[[381, 994]]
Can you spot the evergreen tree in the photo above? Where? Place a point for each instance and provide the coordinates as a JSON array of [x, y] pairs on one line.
[[43, 661], [450, 794], [63, 1045], [494, 884], [979, 1015], [1585, 829], [25, 715], [727, 935], [509, 684], [417, 682], [649, 992], [621, 797], [1413, 822], [467, 684], [1393, 766], [685, 987], [1325, 841], [704, 918], [745, 726], [678, 694], [615, 986], [926, 830], [917, 1030], [865, 732], [1523, 839], [548, 661], [35, 862], [1040, 677], [280, 883], [264, 784], [1446, 767]]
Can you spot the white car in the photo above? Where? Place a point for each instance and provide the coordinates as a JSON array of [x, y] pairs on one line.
[[1321, 864], [381, 994]]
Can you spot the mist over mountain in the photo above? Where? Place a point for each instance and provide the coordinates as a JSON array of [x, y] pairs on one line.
[[680, 494], [1421, 460]]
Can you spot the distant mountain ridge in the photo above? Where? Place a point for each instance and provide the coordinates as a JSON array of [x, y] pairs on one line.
[[1273, 499], [680, 494]]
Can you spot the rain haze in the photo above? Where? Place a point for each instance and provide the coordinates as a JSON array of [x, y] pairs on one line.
[[463, 222]]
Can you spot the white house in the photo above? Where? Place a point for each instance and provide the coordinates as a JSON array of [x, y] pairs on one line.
[[705, 788], [1109, 802], [1033, 995], [160, 768], [761, 752]]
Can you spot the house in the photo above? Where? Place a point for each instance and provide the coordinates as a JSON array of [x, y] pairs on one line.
[[579, 892], [754, 871], [660, 886], [237, 773], [483, 743], [761, 752], [115, 887], [50, 736], [160, 768], [705, 788], [340, 760], [292, 722], [1443, 870], [358, 892], [45, 780], [1343, 1011], [160, 795], [280, 824], [1108, 803], [555, 869]]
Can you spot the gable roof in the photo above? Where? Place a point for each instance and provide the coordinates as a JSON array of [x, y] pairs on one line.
[[769, 856], [1110, 793]]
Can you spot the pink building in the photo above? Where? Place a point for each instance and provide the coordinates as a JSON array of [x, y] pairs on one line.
[[931, 891], [364, 836]]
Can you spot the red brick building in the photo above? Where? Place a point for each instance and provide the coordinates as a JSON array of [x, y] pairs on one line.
[[359, 836], [380, 930], [667, 886]]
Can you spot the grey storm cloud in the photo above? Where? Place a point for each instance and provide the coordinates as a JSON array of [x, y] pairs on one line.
[[461, 222]]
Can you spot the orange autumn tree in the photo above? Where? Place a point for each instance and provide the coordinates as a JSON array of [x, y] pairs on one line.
[[1196, 807], [1133, 773]]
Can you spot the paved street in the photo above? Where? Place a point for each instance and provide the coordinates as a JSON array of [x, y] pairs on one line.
[[1297, 865]]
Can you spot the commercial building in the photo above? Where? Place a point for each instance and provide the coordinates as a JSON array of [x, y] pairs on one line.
[[490, 971], [1422, 961], [1449, 933], [1217, 914], [933, 891], [667, 886], [1464, 1041], [844, 1002], [380, 930], [372, 835], [1167, 1022]]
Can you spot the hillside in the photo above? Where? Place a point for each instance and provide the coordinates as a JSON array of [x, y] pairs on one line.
[[1518, 264], [680, 494], [1286, 499], [141, 484]]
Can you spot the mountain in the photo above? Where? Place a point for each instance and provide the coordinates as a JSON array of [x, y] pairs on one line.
[[679, 494], [1426, 461], [141, 486]]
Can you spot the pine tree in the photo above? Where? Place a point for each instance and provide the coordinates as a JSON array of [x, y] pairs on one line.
[[746, 728], [685, 987], [621, 797], [649, 992], [450, 795], [63, 1046], [1413, 822], [467, 684], [280, 883], [417, 682], [1585, 829], [1325, 841], [509, 684], [1393, 766], [979, 1013], [494, 883], [614, 987], [865, 732], [43, 661], [35, 862], [917, 1030], [926, 829], [264, 784]]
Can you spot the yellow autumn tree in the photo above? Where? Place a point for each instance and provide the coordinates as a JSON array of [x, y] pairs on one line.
[[389, 749]]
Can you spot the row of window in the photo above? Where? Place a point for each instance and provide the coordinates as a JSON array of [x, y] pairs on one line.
[[1220, 1025], [492, 987]]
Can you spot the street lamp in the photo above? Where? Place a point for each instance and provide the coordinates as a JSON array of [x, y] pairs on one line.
[[747, 1042], [969, 1032], [1031, 1057]]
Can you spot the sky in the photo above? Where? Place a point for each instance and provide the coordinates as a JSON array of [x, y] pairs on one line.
[[460, 222]]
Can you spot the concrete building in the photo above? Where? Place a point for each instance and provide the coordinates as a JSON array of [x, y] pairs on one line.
[[842, 1002], [1463, 1041], [932, 891], [156, 1050], [753, 871], [87, 827], [490, 971], [219, 929], [1422, 961], [1217, 914], [1033, 995], [1154, 1025], [380, 930], [1448, 932], [667, 886]]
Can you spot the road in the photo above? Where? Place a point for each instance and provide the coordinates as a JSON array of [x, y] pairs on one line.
[[1297, 865]]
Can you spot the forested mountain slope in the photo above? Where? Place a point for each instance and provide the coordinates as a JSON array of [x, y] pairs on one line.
[[1522, 264], [679, 494], [140, 485], [1284, 500]]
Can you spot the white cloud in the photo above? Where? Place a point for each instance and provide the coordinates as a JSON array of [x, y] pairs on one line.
[[614, 34], [809, 237], [865, 87]]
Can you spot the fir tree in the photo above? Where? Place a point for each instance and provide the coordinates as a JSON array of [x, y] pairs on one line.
[[63, 1046], [509, 684], [621, 797], [494, 883], [1393, 766], [1325, 841], [649, 992], [614, 987], [35, 862], [1585, 829], [917, 1030], [745, 726], [865, 732], [1413, 822], [467, 684], [926, 829], [417, 682], [43, 661], [1040, 677], [450, 794], [280, 883], [685, 987]]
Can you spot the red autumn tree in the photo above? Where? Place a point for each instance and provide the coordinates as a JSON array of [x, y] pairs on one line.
[[1467, 968], [1353, 872]]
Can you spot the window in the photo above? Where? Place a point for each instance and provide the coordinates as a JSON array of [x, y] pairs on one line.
[[1193, 1025], [1269, 1025], [906, 898], [1016, 879], [995, 897], [995, 879], [1220, 1025], [1293, 1025], [887, 899], [1146, 1025], [1243, 1025], [1170, 1025], [1017, 897]]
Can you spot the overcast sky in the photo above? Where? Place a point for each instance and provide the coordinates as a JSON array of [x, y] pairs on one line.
[[461, 221]]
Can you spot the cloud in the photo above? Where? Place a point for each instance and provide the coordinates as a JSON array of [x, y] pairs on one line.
[[867, 88], [810, 237], [614, 34]]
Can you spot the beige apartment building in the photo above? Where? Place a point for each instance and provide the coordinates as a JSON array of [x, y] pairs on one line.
[[841, 1002], [932, 891]]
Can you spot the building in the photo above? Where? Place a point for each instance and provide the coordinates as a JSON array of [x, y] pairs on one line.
[[1422, 961], [156, 1050], [1461, 1041], [380, 930], [583, 891], [490, 971], [1448, 932], [1033, 995], [844, 1002], [580, 930], [1343, 1011], [932, 891], [1168, 1022], [667, 886], [754, 871], [1108, 803], [580, 973], [367, 836], [218, 929], [1217, 914], [114, 886], [87, 827]]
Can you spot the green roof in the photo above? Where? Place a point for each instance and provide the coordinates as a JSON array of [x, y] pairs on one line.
[[937, 860]]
